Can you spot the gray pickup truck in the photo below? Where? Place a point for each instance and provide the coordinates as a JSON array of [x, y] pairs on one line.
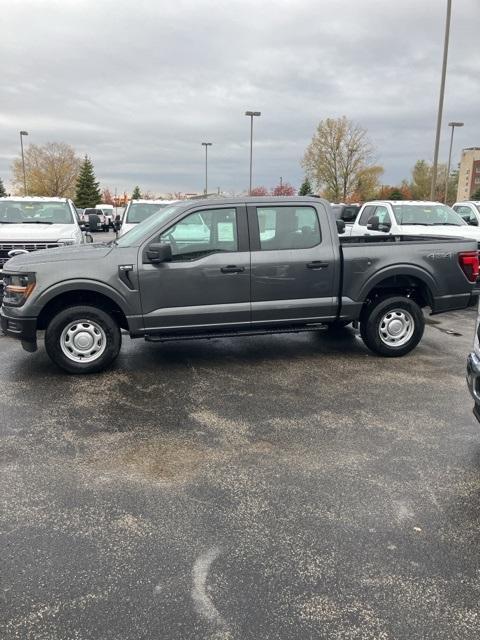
[[232, 267]]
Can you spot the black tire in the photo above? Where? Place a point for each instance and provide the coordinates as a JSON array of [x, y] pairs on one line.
[[376, 322], [95, 325]]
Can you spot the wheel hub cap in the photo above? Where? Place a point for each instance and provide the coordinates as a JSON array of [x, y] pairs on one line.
[[396, 327], [83, 341]]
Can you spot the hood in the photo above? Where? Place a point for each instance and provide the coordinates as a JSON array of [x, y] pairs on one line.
[[459, 231], [36, 232], [126, 227], [27, 261]]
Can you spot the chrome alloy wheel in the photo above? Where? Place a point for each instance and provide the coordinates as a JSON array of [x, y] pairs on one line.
[[396, 327], [83, 341]]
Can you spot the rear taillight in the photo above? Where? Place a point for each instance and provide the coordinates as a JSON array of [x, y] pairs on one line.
[[470, 264]]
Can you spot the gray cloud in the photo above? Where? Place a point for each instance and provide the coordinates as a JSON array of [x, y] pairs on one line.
[[139, 85]]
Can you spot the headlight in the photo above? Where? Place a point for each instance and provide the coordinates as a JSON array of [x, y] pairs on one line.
[[17, 288], [67, 241]]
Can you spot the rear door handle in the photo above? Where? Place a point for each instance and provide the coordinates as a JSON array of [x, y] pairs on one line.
[[231, 268], [317, 264]]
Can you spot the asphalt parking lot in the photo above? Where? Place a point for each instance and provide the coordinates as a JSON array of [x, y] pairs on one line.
[[255, 488]]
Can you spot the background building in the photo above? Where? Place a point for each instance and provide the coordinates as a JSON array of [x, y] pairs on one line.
[[469, 174]]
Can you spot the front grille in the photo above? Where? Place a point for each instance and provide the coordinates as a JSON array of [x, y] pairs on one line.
[[27, 246]]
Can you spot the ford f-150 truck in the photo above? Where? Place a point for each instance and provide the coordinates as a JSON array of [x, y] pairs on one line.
[[267, 265]]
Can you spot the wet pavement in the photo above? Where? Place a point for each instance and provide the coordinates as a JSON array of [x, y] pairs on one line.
[[276, 487]]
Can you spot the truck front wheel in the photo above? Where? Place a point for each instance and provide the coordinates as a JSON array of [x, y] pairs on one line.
[[392, 326], [83, 339]]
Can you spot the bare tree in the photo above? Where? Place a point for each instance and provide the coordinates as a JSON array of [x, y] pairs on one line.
[[337, 156], [51, 170]]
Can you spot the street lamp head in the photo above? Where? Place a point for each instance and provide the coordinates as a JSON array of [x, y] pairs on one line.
[[455, 124], [253, 113], [24, 133], [207, 144]]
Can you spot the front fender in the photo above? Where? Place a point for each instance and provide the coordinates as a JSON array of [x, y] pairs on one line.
[[80, 284]]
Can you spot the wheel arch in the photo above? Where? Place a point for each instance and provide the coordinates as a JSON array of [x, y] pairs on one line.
[[81, 295]]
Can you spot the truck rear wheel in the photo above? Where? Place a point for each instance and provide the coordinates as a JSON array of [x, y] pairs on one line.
[[83, 339], [392, 326]]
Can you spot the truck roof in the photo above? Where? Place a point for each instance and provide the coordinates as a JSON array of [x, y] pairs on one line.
[[142, 201], [36, 198], [396, 202]]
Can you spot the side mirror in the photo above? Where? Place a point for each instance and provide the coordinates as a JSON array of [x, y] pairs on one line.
[[117, 224], [473, 222], [157, 252], [385, 227], [340, 226], [373, 223], [88, 238], [117, 218]]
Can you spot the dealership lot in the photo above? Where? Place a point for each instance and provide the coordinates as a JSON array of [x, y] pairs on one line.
[[271, 487]]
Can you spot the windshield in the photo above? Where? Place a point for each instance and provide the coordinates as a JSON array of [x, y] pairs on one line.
[[19, 211], [138, 212], [143, 229], [427, 214]]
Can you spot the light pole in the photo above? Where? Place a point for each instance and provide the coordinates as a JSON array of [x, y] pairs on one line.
[[252, 114], [440, 100], [453, 125], [23, 133], [206, 145]]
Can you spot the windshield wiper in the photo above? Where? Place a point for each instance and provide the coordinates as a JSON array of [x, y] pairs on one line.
[[36, 222], [416, 224], [7, 222], [447, 224]]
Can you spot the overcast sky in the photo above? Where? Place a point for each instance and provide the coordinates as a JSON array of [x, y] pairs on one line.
[[139, 85]]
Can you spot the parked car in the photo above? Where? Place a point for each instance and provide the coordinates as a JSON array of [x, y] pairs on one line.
[[347, 213], [95, 220], [34, 223], [469, 211], [239, 281], [139, 210], [108, 213], [409, 217]]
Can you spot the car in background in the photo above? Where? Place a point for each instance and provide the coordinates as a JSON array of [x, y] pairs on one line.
[[95, 220], [34, 223], [411, 217], [109, 214], [139, 210], [347, 213], [469, 211]]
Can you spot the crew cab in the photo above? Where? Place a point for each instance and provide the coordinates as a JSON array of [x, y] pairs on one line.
[[268, 265], [469, 211], [139, 210], [410, 217], [33, 223]]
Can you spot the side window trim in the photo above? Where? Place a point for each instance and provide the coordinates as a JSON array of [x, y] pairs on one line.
[[253, 219], [241, 228]]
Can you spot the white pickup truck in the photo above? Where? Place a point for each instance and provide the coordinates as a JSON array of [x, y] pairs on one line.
[[139, 210], [33, 223], [411, 217], [469, 210]]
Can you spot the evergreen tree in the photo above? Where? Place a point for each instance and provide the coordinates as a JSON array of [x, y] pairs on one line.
[[88, 189], [306, 188], [3, 193], [136, 195]]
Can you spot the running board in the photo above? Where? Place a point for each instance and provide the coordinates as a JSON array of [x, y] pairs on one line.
[[231, 334]]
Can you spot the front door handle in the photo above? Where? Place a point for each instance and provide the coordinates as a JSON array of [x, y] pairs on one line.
[[317, 264], [231, 268]]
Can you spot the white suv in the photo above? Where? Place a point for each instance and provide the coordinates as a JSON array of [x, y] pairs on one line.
[[411, 217], [139, 210]]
